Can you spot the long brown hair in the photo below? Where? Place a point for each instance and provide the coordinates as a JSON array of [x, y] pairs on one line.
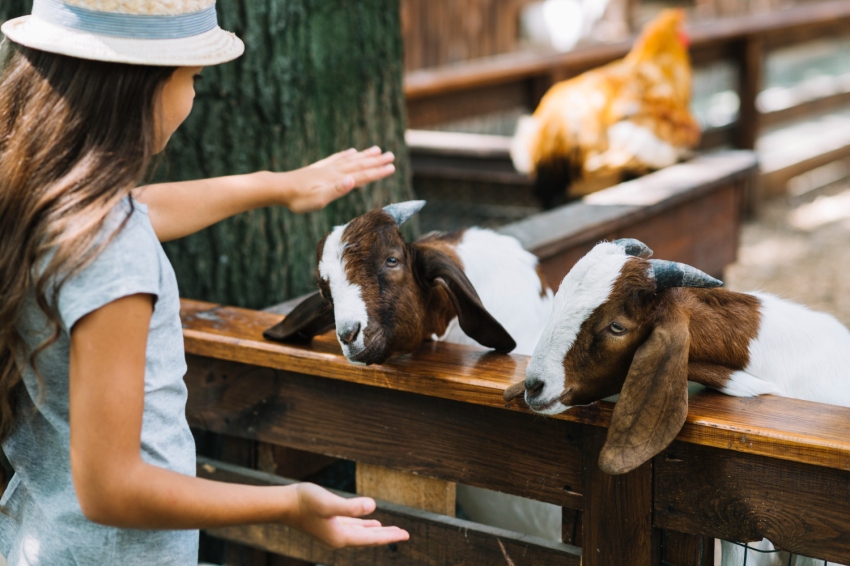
[[76, 137]]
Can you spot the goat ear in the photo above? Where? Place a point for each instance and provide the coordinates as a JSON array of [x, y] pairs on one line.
[[314, 315], [438, 269], [653, 403]]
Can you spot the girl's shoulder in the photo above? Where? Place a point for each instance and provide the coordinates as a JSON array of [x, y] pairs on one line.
[[130, 263]]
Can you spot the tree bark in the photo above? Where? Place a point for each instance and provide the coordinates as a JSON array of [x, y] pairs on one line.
[[318, 76]]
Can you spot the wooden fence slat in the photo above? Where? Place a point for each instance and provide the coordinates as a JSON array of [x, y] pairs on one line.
[[617, 516], [742, 497], [407, 432], [435, 539]]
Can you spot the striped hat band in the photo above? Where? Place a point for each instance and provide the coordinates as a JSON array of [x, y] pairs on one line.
[[126, 25]]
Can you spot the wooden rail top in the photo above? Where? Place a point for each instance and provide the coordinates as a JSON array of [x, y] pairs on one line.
[[775, 28], [776, 427]]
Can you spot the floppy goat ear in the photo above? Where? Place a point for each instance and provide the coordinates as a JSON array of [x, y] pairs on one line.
[[653, 403], [314, 315], [436, 268]]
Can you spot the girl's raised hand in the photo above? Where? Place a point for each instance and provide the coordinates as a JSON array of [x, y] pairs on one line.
[[313, 187], [334, 520]]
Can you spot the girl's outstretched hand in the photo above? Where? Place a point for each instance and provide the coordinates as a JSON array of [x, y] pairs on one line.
[[333, 519], [313, 187]]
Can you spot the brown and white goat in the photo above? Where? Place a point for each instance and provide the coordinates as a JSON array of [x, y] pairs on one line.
[[643, 328], [385, 297]]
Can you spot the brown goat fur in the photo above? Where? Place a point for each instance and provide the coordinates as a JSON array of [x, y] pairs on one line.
[[412, 291]]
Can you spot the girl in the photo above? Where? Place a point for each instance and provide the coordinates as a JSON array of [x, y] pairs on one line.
[[92, 401]]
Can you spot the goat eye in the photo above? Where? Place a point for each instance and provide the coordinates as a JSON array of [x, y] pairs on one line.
[[392, 262], [617, 328]]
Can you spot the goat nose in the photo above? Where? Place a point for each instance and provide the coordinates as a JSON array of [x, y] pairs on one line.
[[534, 387], [348, 333]]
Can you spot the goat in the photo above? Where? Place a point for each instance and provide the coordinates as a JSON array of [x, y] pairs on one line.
[[643, 328], [385, 297]]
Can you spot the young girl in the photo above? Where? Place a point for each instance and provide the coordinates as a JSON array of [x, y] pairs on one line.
[[92, 400]]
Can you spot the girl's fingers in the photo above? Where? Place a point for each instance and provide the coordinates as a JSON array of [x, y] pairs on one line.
[[371, 175], [355, 522], [342, 507], [361, 163], [375, 537]]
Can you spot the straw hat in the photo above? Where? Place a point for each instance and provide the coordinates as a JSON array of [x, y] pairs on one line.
[[180, 33]]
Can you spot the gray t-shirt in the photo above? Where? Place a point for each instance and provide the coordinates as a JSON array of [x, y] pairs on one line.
[[41, 522]]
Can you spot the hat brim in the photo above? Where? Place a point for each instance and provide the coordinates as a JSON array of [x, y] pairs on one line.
[[210, 48]]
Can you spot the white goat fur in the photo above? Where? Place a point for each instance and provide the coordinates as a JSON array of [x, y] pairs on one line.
[[504, 276], [349, 306], [797, 353]]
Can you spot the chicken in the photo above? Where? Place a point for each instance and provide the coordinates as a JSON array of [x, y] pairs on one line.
[[616, 122]]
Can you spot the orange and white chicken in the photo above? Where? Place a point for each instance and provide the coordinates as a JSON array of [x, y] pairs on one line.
[[616, 122]]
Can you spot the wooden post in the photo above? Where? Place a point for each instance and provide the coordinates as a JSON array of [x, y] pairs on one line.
[[617, 518], [749, 53], [403, 488]]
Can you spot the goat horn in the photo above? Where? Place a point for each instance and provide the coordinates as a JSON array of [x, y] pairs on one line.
[[402, 211], [634, 247], [674, 274]]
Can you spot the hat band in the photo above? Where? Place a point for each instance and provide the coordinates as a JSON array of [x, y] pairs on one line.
[[132, 26]]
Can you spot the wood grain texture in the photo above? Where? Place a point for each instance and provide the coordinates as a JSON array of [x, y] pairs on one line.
[[787, 429], [617, 515], [438, 438], [686, 550], [435, 540], [780, 28], [410, 490], [800, 508]]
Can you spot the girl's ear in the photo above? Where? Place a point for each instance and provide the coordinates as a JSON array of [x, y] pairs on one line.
[[436, 269], [314, 315], [653, 403]]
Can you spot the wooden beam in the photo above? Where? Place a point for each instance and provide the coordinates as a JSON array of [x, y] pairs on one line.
[[786, 429], [411, 490], [617, 516], [750, 58], [689, 212], [709, 42], [435, 540], [407, 432], [714, 492]]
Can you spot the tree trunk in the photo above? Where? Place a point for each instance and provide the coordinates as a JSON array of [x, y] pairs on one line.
[[318, 76]]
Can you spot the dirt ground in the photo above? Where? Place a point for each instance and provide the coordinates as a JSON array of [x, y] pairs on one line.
[[799, 248]]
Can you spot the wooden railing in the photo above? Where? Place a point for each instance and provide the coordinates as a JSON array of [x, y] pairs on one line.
[[504, 82], [740, 469]]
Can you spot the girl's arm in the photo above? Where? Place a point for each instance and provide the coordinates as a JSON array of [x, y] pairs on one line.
[[116, 487], [180, 209]]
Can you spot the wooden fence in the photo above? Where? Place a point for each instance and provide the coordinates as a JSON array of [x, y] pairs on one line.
[[740, 469], [505, 82]]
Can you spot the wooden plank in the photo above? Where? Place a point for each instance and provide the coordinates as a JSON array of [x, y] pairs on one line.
[[474, 101], [705, 233], [617, 515], [686, 550], [714, 492], [750, 58], [571, 526], [435, 539], [410, 490], [779, 28], [438, 438], [787, 429], [806, 108], [797, 149]]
